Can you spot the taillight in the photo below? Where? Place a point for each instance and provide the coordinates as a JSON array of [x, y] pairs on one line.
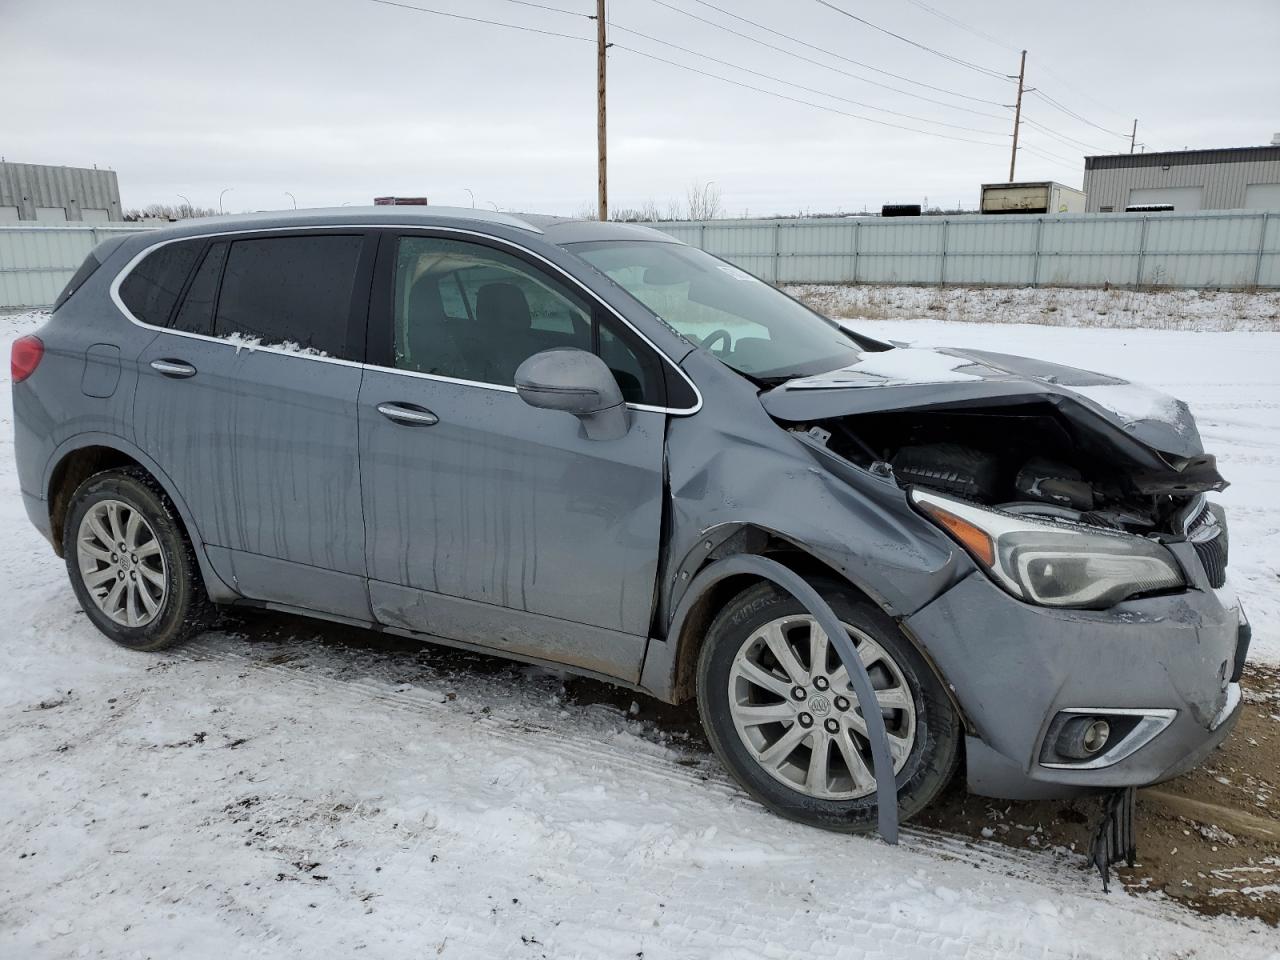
[[25, 356]]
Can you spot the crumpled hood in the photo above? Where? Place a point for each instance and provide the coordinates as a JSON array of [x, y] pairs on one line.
[[906, 378]]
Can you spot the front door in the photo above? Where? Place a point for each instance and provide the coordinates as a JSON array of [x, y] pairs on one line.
[[242, 403], [489, 521]]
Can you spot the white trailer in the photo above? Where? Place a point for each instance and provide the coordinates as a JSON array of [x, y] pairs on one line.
[[1040, 197]]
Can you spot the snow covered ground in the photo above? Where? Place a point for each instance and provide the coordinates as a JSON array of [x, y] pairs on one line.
[[1199, 310], [262, 793]]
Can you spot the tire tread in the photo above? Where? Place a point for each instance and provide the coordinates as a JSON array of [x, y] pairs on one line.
[[196, 612]]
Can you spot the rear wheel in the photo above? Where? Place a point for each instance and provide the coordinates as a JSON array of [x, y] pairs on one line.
[[781, 713], [130, 562]]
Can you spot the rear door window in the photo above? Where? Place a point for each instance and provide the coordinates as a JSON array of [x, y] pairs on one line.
[[290, 291], [151, 289]]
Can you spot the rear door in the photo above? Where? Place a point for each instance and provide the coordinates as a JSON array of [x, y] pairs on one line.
[[490, 521], [247, 400]]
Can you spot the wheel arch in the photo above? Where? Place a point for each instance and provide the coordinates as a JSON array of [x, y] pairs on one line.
[[670, 663], [80, 457], [765, 568]]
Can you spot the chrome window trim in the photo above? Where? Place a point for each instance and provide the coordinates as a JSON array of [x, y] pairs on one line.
[[1183, 519], [1151, 724], [137, 258]]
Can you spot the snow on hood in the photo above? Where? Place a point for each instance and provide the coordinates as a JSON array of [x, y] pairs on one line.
[[1134, 403], [900, 365], [902, 378]]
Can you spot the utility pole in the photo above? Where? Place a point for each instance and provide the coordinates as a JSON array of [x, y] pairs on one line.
[[1133, 137], [1017, 116], [602, 140]]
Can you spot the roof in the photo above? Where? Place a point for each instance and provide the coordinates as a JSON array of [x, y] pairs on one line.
[[558, 230], [326, 216], [1177, 158], [1017, 184]]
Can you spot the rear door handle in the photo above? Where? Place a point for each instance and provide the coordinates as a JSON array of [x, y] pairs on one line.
[[173, 368], [409, 414]]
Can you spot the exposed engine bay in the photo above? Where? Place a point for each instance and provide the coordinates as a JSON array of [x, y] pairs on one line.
[[1024, 458]]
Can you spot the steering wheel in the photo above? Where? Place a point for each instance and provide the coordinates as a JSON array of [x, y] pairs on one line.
[[717, 335]]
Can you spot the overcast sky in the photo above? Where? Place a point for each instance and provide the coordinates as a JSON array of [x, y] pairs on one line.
[[342, 100]]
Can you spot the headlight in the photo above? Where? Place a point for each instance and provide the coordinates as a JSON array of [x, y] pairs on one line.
[[1054, 563]]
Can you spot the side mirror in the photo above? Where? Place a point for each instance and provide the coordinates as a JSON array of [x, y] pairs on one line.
[[577, 382]]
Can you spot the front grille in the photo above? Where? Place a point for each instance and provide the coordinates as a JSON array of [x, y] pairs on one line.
[[1208, 534], [1213, 554]]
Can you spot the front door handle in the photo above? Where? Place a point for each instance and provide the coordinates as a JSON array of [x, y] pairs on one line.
[[409, 414], [173, 368]]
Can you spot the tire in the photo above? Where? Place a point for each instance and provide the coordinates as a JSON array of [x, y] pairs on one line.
[[160, 600], [924, 726]]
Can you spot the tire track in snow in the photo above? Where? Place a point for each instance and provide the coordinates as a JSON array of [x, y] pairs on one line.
[[657, 773], [511, 728]]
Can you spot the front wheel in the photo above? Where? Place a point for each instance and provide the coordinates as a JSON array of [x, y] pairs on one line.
[[130, 562], [781, 713]]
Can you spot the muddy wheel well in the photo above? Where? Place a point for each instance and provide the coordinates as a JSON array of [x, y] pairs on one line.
[[72, 470], [694, 630]]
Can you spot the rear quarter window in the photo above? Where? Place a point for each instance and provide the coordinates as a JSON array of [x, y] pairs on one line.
[[85, 271], [151, 289]]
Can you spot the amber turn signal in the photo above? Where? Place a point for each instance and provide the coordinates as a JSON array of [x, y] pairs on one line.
[[972, 538]]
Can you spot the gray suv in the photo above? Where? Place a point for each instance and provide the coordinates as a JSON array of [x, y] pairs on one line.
[[556, 440]]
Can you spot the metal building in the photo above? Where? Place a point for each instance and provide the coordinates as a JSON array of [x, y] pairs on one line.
[[46, 194], [1235, 178]]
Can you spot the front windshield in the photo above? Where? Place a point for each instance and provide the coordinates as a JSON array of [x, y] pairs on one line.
[[741, 320]]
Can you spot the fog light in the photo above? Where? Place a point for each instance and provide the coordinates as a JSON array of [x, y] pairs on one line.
[[1090, 738], [1083, 737]]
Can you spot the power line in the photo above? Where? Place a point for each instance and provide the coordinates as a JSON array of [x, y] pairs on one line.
[[1062, 137], [827, 66], [963, 26], [1000, 43], [897, 36], [1043, 155], [682, 66], [544, 6], [1076, 88], [1047, 154], [1045, 69], [1075, 116], [807, 103], [799, 86], [493, 23], [830, 53]]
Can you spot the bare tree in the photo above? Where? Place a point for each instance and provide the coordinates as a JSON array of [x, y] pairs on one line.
[[168, 211], [704, 201], [646, 212]]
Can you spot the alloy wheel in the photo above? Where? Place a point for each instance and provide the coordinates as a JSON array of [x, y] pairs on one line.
[[795, 710], [121, 563]]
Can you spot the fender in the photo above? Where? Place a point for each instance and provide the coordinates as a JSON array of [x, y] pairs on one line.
[[709, 547], [218, 589], [794, 584]]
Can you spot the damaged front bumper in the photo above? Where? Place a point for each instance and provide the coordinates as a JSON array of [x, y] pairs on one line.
[[1165, 666]]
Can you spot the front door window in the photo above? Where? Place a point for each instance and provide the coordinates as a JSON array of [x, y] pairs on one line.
[[471, 312]]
